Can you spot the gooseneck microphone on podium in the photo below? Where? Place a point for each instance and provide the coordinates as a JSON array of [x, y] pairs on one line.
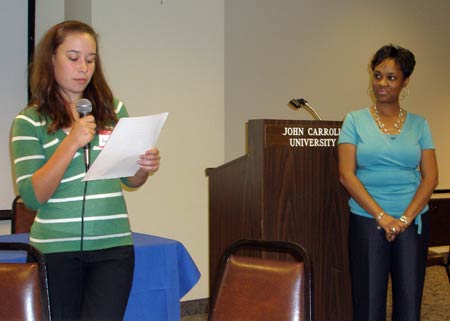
[[84, 108], [302, 103]]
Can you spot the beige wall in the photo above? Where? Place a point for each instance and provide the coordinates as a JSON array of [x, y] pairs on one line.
[[170, 57], [214, 64], [48, 13], [13, 87]]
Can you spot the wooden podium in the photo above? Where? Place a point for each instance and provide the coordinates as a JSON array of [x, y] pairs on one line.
[[287, 188]]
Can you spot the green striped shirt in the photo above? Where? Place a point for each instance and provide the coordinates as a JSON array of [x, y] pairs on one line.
[[57, 226]]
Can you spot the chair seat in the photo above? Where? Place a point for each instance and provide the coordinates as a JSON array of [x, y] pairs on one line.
[[435, 258]]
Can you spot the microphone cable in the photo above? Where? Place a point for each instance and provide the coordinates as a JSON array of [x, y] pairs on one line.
[[84, 108], [83, 207], [83, 203]]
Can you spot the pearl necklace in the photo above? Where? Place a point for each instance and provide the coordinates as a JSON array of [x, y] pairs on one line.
[[398, 126]]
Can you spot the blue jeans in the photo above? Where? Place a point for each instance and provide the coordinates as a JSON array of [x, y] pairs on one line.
[[373, 258]]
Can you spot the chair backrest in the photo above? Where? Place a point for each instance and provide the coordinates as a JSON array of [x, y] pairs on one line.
[[22, 217], [261, 289], [23, 286], [439, 244], [439, 221]]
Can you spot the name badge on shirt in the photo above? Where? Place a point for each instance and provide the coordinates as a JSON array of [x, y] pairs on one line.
[[103, 136]]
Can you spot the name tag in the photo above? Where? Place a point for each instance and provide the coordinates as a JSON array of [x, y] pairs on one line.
[[103, 136]]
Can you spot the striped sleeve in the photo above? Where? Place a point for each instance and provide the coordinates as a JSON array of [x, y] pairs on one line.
[[27, 153]]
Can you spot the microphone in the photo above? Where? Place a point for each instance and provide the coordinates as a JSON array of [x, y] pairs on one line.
[[300, 102], [84, 108]]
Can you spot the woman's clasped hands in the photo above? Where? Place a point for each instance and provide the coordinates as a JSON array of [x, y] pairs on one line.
[[392, 226]]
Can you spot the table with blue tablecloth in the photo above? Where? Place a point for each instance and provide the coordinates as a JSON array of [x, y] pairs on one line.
[[164, 273]]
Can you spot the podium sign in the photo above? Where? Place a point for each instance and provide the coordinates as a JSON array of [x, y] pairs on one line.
[[306, 136], [287, 188]]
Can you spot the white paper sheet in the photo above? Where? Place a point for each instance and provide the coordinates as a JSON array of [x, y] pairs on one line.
[[131, 137]]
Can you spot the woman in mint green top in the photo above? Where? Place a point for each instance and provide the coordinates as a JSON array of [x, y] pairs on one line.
[[388, 165], [57, 224], [89, 256]]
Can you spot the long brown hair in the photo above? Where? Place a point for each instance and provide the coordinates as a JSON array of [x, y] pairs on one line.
[[45, 93]]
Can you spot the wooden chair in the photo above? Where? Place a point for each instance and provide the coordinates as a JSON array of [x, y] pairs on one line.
[[439, 233], [266, 287], [22, 217], [23, 286]]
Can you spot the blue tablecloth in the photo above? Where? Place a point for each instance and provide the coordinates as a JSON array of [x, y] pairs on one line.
[[163, 274]]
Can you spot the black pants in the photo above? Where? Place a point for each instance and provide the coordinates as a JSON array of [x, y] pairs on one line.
[[373, 258], [91, 287]]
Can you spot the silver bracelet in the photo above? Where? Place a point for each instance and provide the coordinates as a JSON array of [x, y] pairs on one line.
[[404, 219]]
